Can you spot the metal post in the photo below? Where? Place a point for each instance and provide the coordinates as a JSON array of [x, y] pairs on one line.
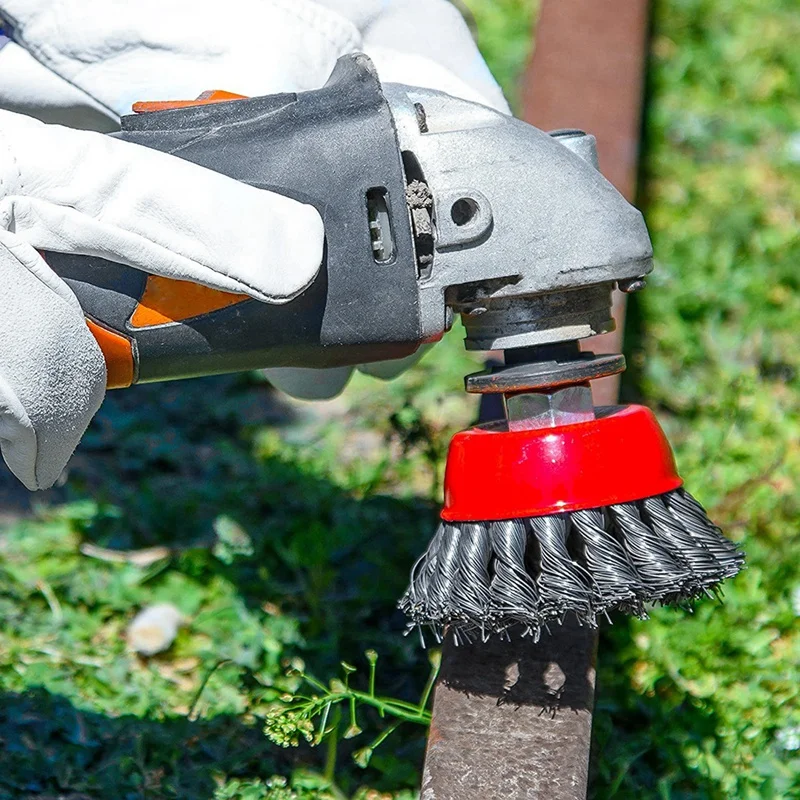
[[513, 720], [587, 72]]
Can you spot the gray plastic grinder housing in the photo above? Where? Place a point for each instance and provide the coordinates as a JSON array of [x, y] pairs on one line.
[[432, 206]]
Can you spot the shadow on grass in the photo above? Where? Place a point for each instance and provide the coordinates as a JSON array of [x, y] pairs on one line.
[[175, 458], [162, 464], [53, 751]]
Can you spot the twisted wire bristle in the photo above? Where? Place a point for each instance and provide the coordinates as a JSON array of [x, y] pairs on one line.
[[614, 578], [659, 567], [514, 595], [471, 592], [700, 562], [564, 584], [693, 516], [480, 579]]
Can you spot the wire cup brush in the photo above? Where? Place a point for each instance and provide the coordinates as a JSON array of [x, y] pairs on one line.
[[562, 509]]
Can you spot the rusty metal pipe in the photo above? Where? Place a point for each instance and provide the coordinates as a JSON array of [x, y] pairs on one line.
[[513, 720], [587, 72]]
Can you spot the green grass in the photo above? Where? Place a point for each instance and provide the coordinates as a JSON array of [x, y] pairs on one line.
[[703, 706], [290, 534]]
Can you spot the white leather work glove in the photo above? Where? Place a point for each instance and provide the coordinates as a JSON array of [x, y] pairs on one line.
[[87, 61], [83, 192]]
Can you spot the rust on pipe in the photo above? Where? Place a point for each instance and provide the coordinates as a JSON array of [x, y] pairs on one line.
[[587, 71]]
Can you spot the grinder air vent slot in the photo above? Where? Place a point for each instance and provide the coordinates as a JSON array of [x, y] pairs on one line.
[[380, 225]]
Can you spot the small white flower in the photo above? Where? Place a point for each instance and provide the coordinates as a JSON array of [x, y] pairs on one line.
[[154, 629], [789, 738]]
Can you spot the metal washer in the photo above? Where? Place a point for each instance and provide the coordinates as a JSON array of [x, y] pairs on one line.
[[544, 374]]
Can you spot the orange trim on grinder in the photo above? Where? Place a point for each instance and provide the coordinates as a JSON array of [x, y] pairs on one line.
[[213, 96], [118, 354], [167, 300]]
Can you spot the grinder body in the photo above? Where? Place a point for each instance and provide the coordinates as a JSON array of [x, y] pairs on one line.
[[431, 206], [291, 144]]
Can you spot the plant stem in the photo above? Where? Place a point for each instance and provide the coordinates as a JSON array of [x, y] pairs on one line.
[[333, 743], [203, 683], [353, 721], [314, 682], [395, 708], [52, 601], [381, 738], [408, 712], [323, 723], [426, 693]]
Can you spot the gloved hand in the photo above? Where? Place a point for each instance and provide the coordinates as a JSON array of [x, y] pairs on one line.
[[86, 61], [82, 192], [75, 56]]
